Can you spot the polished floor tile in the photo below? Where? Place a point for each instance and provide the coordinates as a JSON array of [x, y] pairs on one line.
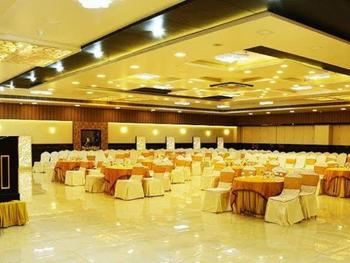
[[69, 225]]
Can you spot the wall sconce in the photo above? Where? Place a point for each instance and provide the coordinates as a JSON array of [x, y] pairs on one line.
[[155, 132], [52, 130], [226, 131], [124, 129], [183, 131], [208, 133]]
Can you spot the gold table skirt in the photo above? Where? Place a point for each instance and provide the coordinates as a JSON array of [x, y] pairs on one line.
[[339, 187], [250, 203], [13, 213]]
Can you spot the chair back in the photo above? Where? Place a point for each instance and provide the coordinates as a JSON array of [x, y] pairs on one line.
[[136, 177], [292, 182], [310, 179], [227, 176]]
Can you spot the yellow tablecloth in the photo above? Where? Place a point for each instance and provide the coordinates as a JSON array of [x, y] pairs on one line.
[[13, 213], [250, 194]]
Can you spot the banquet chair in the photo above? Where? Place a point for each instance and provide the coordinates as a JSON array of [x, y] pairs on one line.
[[307, 195], [177, 175], [129, 189], [310, 162], [153, 186], [196, 168], [164, 177], [211, 175], [217, 200], [285, 209], [300, 161], [41, 166], [75, 178], [290, 162], [94, 181], [341, 160]]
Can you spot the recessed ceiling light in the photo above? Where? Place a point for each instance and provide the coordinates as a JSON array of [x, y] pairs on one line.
[[75, 82], [162, 87], [265, 32], [347, 86], [343, 109], [279, 71], [285, 94], [232, 57], [247, 71], [40, 92], [313, 76], [339, 89], [58, 66], [180, 54], [110, 81], [322, 86], [268, 112], [77, 105], [299, 88], [266, 102], [272, 81], [134, 67], [89, 92], [291, 111], [222, 106], [51, 89], [95, 49], [284, 66], [311, 72], [95, 4], [184, 103], [156, 26], [314, 110], [276, 77], [146, 76], [250, 113], [231, 69], [101, 76], [93, 86]]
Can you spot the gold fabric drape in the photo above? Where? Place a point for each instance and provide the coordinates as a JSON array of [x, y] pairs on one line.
[[13, 213]]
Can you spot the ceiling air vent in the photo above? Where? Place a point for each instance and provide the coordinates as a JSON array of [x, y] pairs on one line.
[[218, 97], [152, 91], [231, 84]]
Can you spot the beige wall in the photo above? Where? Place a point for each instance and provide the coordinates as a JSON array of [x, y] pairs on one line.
[[162, 130], [340, 135], [278, 134], [42, 132]]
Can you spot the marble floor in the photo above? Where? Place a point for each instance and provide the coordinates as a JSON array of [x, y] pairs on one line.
[[69, 225]]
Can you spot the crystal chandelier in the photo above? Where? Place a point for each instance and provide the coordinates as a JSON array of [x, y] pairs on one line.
[[95, 4]]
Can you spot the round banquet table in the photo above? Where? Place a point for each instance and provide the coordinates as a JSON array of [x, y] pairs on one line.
[[336, 182], [249, 194], [62, 167], [112, 174]]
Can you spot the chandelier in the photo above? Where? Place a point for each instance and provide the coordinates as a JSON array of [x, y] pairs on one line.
[[95, 4]]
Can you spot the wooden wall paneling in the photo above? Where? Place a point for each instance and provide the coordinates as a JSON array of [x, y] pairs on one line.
[[63, 113]]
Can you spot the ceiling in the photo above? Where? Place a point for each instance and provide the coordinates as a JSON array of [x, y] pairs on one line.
[[289, 79], [49, 23]]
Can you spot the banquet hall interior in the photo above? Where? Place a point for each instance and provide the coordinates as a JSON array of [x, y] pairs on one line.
[[174, 131]]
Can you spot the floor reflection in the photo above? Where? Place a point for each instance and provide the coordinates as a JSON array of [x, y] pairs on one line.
[[69, 225]]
